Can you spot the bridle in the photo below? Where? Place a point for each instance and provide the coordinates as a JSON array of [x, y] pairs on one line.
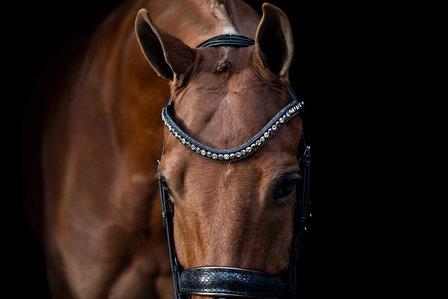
[[227, 281]]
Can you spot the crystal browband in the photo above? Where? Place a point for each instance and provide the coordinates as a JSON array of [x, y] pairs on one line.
[[239, 152]]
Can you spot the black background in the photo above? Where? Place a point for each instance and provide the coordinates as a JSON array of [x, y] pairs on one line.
[[337, 70]]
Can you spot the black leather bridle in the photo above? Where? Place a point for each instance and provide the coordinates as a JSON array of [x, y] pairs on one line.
[[226, 281]]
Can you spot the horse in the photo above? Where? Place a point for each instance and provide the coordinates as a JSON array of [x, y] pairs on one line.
[[220, 163]]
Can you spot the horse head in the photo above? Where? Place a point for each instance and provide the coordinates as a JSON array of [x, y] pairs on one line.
[[229, 163]]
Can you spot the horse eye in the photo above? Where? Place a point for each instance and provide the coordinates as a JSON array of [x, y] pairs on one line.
[[286, 186]]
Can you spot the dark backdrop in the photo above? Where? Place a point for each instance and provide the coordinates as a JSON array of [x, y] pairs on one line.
[[332, 71]]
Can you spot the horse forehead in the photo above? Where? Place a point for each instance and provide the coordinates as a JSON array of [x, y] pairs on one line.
[[224, 59], [218, 75], [194, 170]]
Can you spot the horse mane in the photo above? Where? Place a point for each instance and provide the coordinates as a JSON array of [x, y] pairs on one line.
[[219, 11]]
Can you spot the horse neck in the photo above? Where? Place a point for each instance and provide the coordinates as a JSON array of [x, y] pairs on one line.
[[194, 21]]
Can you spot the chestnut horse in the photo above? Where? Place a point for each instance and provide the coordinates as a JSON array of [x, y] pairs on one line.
[[103, 233]]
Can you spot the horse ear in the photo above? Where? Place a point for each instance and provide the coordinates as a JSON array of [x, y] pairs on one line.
[[167, 55], [274, 46]]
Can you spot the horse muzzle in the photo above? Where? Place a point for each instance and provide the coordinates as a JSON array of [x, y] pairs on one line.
[[231, 282]]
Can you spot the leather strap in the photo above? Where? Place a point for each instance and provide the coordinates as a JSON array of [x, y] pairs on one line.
[[234, 40], [223, 281]]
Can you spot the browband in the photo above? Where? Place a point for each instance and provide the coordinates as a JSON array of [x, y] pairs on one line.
[[237, 153]]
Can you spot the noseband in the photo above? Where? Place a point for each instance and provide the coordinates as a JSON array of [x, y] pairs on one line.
[[227, 281]]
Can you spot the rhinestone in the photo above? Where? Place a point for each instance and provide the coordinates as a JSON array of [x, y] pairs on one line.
[[198, 150], [187, 144], [243, 152], [226, 157], [262, 139], [274, 127], [258, 142], [253, 146], [269, 132], [266, 134], [282, 119], [248, 149], [232, 156], [203, 152], [183, 141], [238, 154], [214, 156], [288, 114], [209, 154], [220, 157], [277, 123], [193, 147]]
